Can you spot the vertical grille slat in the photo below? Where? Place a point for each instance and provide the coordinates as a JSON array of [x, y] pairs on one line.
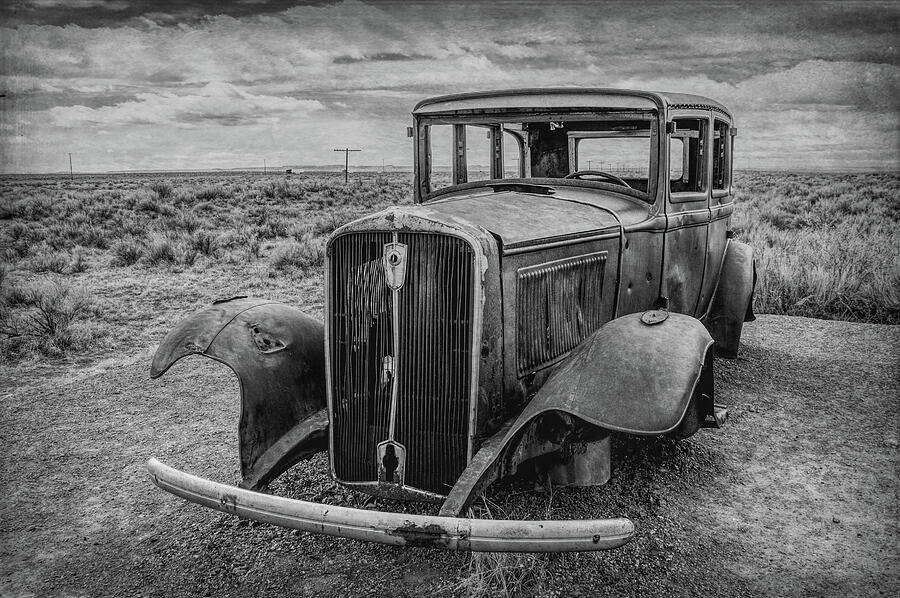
[[559, 305], [433, 361]]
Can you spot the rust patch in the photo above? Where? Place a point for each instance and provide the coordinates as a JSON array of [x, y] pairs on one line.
[[229, 502], [264, 341], [427, 536]]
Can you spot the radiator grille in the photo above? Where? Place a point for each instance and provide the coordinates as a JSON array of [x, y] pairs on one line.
[[559, 305], [433, 363]]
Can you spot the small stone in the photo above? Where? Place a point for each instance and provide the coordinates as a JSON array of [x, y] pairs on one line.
[[834, 519]]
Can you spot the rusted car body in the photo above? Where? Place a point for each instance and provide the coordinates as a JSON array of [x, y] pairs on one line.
[[524, 308]]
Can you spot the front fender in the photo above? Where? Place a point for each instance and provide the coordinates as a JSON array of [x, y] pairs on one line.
[[629, 376], [278, 354]]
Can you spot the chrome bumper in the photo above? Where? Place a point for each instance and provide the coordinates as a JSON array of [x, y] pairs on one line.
[[403, 529]]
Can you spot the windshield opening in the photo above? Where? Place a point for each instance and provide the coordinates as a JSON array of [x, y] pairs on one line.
[[614, 149]]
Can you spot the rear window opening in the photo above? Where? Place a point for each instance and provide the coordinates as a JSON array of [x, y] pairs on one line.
[[721, 173], [687, 156]]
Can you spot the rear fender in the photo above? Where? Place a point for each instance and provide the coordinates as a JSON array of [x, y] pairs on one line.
[[278, 354], [732, 304], [629, 376]]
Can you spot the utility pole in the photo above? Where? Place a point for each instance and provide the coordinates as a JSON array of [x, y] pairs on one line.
[[71, 174], [382, 165], [347, 151], [264, 166], [589, 164]]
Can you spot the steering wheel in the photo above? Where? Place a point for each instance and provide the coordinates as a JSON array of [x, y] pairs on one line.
[[581, 173]]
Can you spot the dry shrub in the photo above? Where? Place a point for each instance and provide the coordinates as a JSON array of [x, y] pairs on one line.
[[163, 189], [273, 227], [78, 263], [249, 241], [170, 250], [212, 192], [127, 251], [161, 250], [80, 232], [298, 256], [51, 261], [52, 319], [18, 239], [147, 201], [205, 243], [186, 221]]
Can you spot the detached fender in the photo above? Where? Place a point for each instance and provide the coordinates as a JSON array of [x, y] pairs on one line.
[[629, 376], [278, 354], [732, 303]]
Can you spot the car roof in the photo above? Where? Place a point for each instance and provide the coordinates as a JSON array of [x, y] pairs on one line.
[[564, 98]]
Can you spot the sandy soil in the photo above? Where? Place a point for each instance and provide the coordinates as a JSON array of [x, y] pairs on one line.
[[796, 496]]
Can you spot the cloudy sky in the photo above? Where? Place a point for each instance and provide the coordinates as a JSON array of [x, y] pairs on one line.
[[183, 85]]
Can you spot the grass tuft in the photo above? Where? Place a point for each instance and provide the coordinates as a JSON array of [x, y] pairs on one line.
[[49, 262], [127, 252], [161, 250], [163, 189]]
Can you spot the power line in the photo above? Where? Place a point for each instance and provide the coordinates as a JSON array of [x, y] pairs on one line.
[[347, 151]]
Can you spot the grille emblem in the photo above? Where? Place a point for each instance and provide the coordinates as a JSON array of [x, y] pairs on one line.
[[391, 462], [394, 265]]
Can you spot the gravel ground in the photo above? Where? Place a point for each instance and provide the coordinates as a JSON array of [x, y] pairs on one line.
[[796, 496]]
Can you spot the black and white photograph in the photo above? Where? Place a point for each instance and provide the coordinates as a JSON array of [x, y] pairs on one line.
[[339, 298]]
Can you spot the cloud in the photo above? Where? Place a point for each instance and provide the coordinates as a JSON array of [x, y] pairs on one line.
[[224, 71], [819, 82], [114, 5], [219, 103]]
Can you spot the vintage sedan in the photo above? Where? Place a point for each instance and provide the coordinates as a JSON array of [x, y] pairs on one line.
[[566, 272]]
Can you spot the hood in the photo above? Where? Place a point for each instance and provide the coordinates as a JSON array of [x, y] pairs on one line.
[[520, 217]]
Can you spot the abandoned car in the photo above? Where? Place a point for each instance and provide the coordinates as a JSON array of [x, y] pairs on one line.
[[566, 272]]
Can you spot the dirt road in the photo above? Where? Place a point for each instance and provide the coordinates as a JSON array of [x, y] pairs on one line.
[[796, 496]]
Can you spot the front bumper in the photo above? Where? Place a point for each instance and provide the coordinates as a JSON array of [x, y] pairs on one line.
[[403, 529]]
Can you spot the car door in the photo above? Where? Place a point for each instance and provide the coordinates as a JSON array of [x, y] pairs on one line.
[[687, 210], [721, 206]]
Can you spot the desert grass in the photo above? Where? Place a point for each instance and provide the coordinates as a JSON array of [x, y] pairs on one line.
[[149, 248], [827, 246], [506, 574], [145, 245]]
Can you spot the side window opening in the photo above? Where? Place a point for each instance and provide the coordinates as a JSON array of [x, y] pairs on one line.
[[721, 156], [478, 153], [441, 162], [514, 162], [687, 156]]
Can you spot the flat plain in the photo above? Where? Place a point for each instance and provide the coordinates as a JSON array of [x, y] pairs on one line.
[[797, 495]]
